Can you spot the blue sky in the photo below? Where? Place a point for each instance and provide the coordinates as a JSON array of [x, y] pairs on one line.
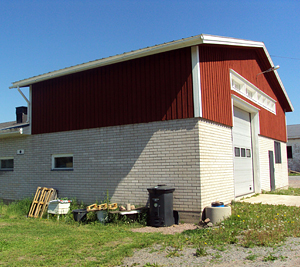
[[43, 36]]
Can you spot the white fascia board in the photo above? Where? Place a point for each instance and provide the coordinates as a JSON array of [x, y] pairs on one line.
[[112, 60], [278, 78], [186, 42], [220, 40]]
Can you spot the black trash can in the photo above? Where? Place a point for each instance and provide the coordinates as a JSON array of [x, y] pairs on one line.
[[79, 215], [161, 206]]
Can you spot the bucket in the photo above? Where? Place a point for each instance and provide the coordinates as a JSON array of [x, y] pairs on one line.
[[102, 216], [79, 215], [217, 204]]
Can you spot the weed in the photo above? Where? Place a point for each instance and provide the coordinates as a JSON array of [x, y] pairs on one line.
[[252, 257], [283, 258], [173, 253], [201, 252], [218, 255], [221, 248], [151, 265], [270, 257], [16, 209]]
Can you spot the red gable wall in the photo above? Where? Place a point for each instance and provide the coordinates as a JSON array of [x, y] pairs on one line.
[[152, 88], [215, 63]]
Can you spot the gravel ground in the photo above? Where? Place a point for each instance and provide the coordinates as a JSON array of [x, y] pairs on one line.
[[285, 255], [294, 181]]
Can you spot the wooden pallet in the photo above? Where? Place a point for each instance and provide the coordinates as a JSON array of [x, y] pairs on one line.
[[41, 200]]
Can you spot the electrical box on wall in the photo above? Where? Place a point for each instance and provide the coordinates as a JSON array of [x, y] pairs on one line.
[[20, 152]]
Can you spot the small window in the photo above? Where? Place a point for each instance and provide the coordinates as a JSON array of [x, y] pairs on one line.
[[243, 152], [248, 153], [7, 164], [237, 152], [277, 149], [62, 162], [289, 151]]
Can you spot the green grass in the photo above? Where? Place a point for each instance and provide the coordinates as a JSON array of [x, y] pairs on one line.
[[36, 242], [290, 191], [294, 174]]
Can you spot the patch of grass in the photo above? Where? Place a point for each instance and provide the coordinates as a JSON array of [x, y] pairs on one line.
[[290, 191], [201, 252], [252, 257], [218, 255], [294, 174], [173, 253], [15, 209], [270, 257], [151, 265], [68, 243]]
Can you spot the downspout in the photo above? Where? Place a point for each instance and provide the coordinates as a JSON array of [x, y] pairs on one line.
[[28, 104]]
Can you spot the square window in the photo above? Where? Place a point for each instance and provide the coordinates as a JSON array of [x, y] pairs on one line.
[[62, 162], [248, 153], [7, 164], [289, 151], [243, 152], [277, 149]]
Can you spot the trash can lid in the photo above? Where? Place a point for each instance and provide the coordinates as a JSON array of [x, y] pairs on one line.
[[79, 211], [161, 188]]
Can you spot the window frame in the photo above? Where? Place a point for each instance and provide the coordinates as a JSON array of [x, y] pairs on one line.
[[277, 152], [7, 158], [55, 156], [289, 152]]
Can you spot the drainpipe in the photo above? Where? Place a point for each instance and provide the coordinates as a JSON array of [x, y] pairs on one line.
[[28, 104]]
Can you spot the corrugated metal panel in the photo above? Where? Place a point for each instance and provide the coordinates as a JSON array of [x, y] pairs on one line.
[[153, 88], [215, 63]]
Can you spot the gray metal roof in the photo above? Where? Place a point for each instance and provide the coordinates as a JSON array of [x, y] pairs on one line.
[[293, 131], [8, 124]]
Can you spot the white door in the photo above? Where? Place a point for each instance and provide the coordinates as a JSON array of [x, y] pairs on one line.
[[242, 149]]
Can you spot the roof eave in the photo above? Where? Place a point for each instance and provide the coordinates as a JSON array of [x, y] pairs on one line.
[[12, 133], [191, 41]]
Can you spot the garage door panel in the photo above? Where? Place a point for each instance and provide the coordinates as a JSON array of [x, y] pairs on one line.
[[243, 167]]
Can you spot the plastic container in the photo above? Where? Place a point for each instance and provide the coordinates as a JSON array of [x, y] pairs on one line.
[[58, 207], [79, 215], [161, 206], [102, 216], [217, 204]]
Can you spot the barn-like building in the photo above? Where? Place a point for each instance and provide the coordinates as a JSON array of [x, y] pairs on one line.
[[205, 115]]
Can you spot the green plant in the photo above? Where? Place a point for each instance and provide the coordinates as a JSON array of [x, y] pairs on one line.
[[151, 265], [16, 209], [270, 257], [173, 253], [218, 255], [252, 257], [200, 252]]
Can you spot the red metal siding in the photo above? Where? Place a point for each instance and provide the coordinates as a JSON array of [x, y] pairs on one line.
[[215, 63], [153, 88]]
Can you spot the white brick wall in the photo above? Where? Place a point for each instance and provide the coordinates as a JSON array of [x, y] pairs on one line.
[[216, 163], [281, 175], [125, 160], [193, 155]]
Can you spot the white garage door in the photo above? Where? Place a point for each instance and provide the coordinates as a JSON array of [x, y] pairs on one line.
[[242, 149]]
